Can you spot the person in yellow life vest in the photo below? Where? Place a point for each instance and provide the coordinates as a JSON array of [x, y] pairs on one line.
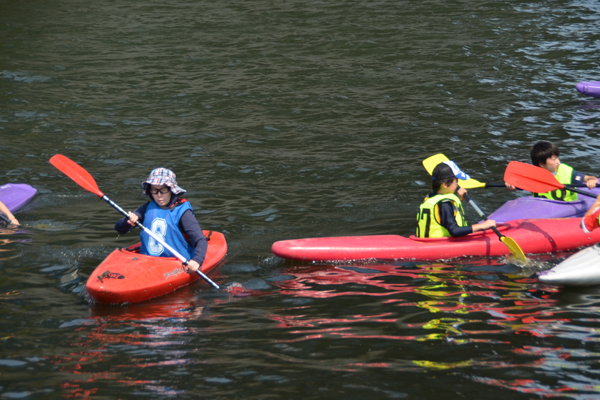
[[442, 213], [545, 154]]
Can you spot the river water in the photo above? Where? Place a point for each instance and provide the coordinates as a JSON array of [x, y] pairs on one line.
[[289, 119]]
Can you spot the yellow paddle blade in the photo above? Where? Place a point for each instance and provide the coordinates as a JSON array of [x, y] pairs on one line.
[[431, 162], [514, 248], [471, 184]]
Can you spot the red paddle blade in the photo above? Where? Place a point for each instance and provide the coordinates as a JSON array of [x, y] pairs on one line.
[[531, 178], [76, 172]]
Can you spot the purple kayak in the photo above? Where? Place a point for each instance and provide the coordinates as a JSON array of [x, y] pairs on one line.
[[589, 88], [538, 207], [16, 195]]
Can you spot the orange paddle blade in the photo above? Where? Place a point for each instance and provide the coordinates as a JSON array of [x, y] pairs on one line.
[[76, 172], [531, 178]]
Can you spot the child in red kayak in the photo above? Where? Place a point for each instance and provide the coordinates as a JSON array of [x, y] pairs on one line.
[[169, 217], [442, 214], [545, 154]]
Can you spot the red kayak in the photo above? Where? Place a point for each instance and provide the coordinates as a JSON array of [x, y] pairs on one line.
[[533, 236], [126, 276]]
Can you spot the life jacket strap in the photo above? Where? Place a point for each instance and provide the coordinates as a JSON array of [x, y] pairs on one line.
[[177, 203]]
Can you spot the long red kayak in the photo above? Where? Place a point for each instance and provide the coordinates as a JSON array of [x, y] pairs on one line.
[[533, 236], [126, 276]]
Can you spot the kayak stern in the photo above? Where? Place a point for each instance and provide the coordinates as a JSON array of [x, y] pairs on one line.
[[580, 269]]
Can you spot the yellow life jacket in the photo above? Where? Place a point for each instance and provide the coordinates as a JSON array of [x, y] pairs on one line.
[[564, 175], [428, 219]]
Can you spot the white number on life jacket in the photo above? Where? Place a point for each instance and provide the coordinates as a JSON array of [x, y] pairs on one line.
[[159, 228]]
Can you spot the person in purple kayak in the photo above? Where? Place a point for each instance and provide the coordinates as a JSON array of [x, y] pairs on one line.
[[545, 155], [169, 217], [11, 218]]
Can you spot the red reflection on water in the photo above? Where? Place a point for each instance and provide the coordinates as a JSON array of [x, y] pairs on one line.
[[526, 386], [372, 365], [158, 364], [442, 288], [148, 325], [77, 392]]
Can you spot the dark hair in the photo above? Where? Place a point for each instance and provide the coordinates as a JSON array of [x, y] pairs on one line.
[[541, 151], [441, 174]]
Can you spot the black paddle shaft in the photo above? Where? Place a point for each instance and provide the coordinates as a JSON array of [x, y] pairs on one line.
[[583, 192], [482, 215]]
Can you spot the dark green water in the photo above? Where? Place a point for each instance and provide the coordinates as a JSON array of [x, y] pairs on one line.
[[284, 120]]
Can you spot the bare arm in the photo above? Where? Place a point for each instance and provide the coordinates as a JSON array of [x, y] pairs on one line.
[[487, 224], [4, 210]]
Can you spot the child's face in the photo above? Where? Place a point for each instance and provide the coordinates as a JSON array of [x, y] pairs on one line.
[[551, 164], [161, 195], [451, 188]]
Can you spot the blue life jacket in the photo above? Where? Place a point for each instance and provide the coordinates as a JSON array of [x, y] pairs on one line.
[[165, 224]]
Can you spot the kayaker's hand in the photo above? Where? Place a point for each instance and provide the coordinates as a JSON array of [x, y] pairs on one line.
[[510, 187], [594, 206], [591, 182], [132, 218], [191, 267], [461, 193], [14, 221], [487, 224]]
